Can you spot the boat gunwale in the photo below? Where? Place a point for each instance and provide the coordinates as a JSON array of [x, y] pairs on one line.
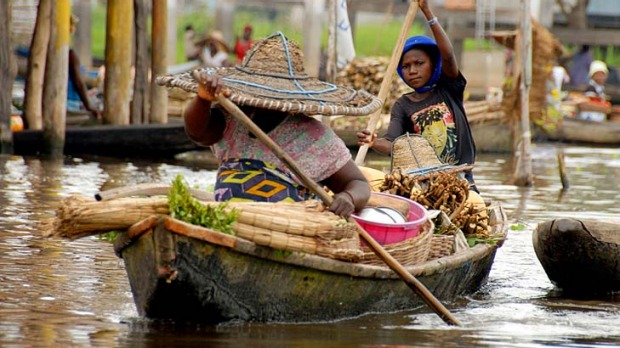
[[301, 259]]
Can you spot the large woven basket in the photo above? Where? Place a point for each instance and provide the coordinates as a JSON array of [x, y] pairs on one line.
[[412, 151], [408, 252]]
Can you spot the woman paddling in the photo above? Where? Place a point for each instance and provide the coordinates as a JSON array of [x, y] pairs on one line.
[[272, 88]]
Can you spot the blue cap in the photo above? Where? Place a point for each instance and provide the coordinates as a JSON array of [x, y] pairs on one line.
[[415, 42]]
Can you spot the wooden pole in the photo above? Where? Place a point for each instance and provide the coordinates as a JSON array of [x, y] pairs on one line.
[[330, 64], [6, 79], [82, 41], [56, 80], [523, 172], [159, 94], [562, 169], [409, 279], [33, 101], [313, 12], [118, 49], [386, 84], [171, 32], [224, 15], [140, 101]]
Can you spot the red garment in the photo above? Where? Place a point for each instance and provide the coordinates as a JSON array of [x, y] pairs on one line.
[[241, 48]]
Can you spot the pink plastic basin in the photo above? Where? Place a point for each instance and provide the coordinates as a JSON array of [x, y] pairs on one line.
[[390, 233]]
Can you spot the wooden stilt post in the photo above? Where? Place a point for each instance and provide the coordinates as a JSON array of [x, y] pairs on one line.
[[118, 43], [141, 87], [33, 102], [56, 80], [82, 42], [159, 94], [313, 10], [6, 78], [523, 173]]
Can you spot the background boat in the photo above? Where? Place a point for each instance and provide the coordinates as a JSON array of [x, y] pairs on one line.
[[141, 141], [580, 256]]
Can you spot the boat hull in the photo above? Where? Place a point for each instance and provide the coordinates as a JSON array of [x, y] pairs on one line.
[[581, 256], [192, 276], [493, 136], [135, 141], [572, 130]]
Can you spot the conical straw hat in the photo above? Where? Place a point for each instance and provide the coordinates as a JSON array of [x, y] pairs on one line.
[[272, 76]]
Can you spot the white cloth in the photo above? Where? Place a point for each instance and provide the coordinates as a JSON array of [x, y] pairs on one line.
[[345, 50], [560, 76], [213, 61]]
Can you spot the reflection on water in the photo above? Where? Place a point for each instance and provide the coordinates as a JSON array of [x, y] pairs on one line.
[[57, 292]]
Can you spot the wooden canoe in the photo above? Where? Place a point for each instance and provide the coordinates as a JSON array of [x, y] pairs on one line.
[[132, 141], [187, 273], [579, 256], [572, 130]]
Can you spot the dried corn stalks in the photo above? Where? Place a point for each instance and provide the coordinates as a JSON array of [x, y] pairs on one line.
[[443, 191]]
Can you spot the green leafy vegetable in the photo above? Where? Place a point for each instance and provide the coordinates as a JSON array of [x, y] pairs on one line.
[[186, 208], [110, 236]]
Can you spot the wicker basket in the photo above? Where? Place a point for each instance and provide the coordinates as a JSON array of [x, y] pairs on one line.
[[450, 240], [412, 151], [441, 245], [408, 252]]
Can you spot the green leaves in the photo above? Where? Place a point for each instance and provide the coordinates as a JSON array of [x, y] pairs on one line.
[[186, 208]]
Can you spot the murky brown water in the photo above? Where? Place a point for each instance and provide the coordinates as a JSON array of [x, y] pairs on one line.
[[61, 293]]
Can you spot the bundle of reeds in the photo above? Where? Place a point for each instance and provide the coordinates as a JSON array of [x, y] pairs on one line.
[[304, 226], [546, 51]]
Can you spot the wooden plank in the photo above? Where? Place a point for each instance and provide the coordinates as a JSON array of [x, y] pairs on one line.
[[201, 233], [593, 37], [141, 227]]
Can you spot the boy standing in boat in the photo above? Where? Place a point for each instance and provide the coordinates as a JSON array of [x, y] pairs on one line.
[[435, 107]]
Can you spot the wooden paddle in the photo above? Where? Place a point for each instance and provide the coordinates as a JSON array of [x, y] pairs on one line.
[[409, 279], [386, 84]]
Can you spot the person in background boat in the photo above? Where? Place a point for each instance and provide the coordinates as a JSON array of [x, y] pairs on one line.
[[192, 50], [596, 84], [435, 107], [580, 63], [78, 97], [243, 44], [214, 52], [272, 88], [598, 106]]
